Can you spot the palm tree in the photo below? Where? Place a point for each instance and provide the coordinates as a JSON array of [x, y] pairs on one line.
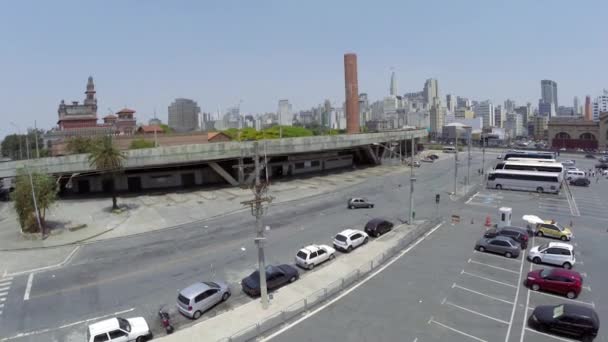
[[109, 160]]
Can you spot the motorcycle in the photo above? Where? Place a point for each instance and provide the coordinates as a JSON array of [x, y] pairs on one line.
[[165, 320]]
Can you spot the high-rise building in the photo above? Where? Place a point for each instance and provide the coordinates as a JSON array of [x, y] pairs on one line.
[[600, 105], [485, 110], [464, 113], [588, 108], [549, 93], [576, 106], [183, 115], [450, 101], [284, 112], [393, 89], [463, 102], [351, 89], [565, 111], [546, 108], [509, 106], [364, 110], [499, 116], [431, 91], [436, 120], [325, 117], [526, 114], [513, 125]]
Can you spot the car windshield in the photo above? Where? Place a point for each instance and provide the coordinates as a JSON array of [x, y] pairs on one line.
[[543, 246], [340, 237], [543, 273], [183, 299], [124, 324], [558, 311], [560, 227]]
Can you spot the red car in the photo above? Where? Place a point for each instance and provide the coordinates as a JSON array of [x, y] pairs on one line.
[[562, 281]]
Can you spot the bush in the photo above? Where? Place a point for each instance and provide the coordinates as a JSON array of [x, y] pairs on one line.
[[141, 143]]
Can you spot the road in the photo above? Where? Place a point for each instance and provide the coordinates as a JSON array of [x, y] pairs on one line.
[[135, 275], [443, 290]]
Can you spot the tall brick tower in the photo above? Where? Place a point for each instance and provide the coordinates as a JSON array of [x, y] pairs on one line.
[[351, 88]]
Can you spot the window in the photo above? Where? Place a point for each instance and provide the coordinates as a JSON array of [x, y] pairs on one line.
[[200, 297], [313, 255], [355, 237], [566, 252], [555, 251], [315, 163], [101, 338], [183, 299], [499, 243], [322, 252], [117, 333], [340, 237], [302, 255], [299, 165]]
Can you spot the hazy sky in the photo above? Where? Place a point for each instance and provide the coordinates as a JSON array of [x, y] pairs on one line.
[[143, 54]]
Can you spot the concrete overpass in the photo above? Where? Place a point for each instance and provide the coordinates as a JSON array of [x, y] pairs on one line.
[[371, 146]]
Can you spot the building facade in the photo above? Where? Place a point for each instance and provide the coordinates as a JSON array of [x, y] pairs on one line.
[[183, 115], [588, 109], [431, 91], [485, 110], [574, 133], [548, 90], [600, 105], [75, 115], [514, 125], [499, 116], [285, 113]]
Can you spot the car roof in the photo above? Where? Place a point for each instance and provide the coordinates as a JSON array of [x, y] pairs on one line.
[[579, 310], [565, 273], [561, 245], [349, 232], [311, 248], [376, 220], [194, 290], [504, 238], [103, 326]]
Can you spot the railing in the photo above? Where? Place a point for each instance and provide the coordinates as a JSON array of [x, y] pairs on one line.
[[320, 296]]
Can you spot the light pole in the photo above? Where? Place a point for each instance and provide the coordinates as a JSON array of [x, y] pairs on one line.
[[470, 132], [412, 180], [456, 161], [483, 153]]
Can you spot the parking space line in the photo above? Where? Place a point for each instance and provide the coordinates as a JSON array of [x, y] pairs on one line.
[[523, 326], [476, 313], [552, 336], [496, 256], [588, 288], [488, 279], [456, 330], [28, 287], [521, 270], [565, 298], [467, 202], [492, 266], [456, 286]]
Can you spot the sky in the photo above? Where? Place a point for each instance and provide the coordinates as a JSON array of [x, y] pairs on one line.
[[144, 54]]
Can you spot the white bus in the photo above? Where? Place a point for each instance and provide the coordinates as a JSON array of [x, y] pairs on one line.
[[533, 160], [449, 149], [525, 180], [529, 155], [530, 165]]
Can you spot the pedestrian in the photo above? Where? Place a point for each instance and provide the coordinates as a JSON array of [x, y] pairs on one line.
[[597, 179]]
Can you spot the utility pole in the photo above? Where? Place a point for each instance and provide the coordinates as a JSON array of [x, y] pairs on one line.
[[456, 162], [29, 173], [257, 209], [412, 180], [36, 137], [483, 153], [470, 131]]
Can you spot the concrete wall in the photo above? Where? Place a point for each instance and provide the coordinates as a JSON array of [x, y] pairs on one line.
[[211, 151]]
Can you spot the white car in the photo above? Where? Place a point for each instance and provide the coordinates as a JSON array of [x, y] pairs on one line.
[[574, 174], [313, 255], [570, 163], [118, 329], [555, 253], [349, 239], [499, 156]]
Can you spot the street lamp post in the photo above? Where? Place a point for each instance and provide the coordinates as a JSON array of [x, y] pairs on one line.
[[456, 162], [483, 153], [412, 180], [470, 132]]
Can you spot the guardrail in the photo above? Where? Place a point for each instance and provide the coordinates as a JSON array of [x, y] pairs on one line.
[[320, 296]]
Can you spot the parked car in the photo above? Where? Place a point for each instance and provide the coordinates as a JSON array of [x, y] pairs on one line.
[[499, 244], [276, 276], [119, 329], [519, 235], [574, 174], [359, 202], [199, 297], [562, 149], [5, 194], [568, 163], [554, 253], [590, 156], [566, 319], [416, 163], [428, 160], [349, 239], [313, 255], [580, 182], [377, 226], [602, 166], [554, 230], [499, 156], [564, 282], [433, 156]]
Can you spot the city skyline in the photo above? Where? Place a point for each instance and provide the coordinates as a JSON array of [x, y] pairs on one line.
[[145, 75]]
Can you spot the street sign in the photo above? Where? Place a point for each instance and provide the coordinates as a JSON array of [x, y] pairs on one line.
[[437, 196]]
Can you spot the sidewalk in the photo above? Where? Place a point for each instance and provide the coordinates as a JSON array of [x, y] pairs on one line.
[[250, 320], [76, 221]]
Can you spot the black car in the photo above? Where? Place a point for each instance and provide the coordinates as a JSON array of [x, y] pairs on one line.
[[517, 234], [580, 182], [433, 156], [5, 194], [377, 226], [602, 166], [276, 276], [566, 319], [590, 156]]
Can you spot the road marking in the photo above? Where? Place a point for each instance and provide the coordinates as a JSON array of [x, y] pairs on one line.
[[45, 268], [3, 293], [38, 332], [2, 299], [588, 288], [521, 270], [6, 279], [4, 288], [456, 286], [488, 279], [476, 313], [458, 331], [345, 293], [28, 287], [6, 283], [565, 298], [523, 326], [552, 336], [492, 266], [469, 200], [496, 256]]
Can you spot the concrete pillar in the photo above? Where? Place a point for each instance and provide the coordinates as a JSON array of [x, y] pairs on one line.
[[220, 171]]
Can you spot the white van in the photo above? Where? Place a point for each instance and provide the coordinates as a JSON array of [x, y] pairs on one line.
[[574, 174]]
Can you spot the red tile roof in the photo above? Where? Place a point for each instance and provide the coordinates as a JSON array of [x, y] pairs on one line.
[[126, 110], [150, 129]]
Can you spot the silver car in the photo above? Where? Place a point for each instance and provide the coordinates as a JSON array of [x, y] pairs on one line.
[[358, 202], [200, 297], [499, 244]]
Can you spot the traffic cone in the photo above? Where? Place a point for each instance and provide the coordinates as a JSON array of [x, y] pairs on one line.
[[488, 221]]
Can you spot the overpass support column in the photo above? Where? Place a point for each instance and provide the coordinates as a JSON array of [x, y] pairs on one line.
[[372, 154], [220, 171]]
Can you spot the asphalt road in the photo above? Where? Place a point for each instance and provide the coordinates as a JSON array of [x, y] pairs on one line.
[[134, 276], [443, 290]]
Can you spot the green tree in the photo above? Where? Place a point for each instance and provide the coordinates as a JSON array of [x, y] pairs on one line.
[[45, 189], [107, 159], [141, 143], [166, 128], [81, 145]]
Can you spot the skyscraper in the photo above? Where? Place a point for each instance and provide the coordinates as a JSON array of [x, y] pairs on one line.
[[588, 109], [509, 106], [325, 117], [450, 101], [499, 116], [548, 90], [576, 106], [351, 89], [431, 91], [485, 110], [183, 115], [284, 112], [600, 105], [393, 86]]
